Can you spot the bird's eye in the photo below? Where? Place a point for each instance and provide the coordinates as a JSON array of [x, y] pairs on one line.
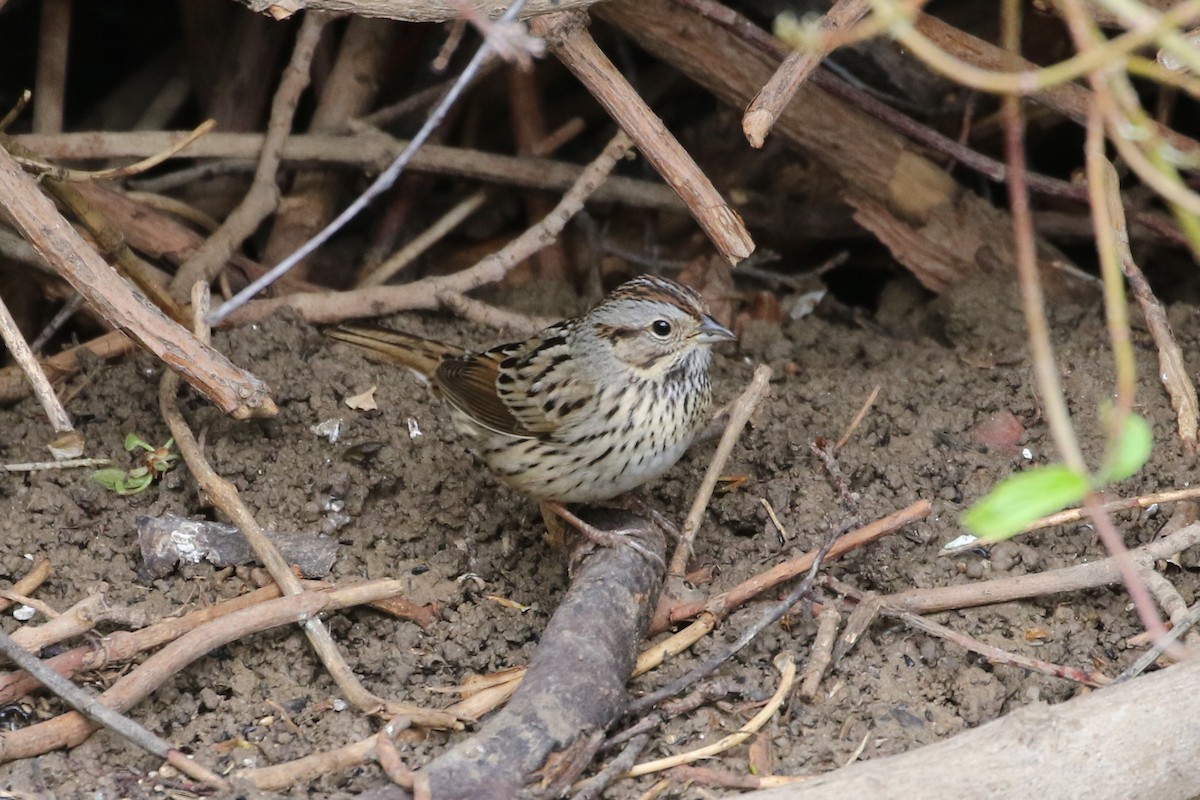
[[661, 327]]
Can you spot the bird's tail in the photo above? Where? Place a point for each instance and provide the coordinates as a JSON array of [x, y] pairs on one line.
[[420, 355]]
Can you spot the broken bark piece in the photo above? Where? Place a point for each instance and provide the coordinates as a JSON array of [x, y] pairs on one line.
[[170, 540], [575, 684]]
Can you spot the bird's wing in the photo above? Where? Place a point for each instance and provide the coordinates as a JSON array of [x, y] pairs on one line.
[[469, 384], [519, 389]]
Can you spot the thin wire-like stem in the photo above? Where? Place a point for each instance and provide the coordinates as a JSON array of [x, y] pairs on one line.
[[1102, 188], [1049, 387], [898, 19], [1032, 302]]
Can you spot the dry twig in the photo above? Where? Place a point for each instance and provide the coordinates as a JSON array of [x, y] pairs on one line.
[[363, 151], [566, 33], [1103, 572], [427, 293], [23, 355], [994, 654], [69, 730], [768, 104], [821, 653], [722, 603], [381, 183], [739, 415], [30, 581], [103, 715]]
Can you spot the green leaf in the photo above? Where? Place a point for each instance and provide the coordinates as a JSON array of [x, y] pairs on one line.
[[121, 482], [138, 483], [1128, 452], [132, 440], [1020, 499], [111, 478]]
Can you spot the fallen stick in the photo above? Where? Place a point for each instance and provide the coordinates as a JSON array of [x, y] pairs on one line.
[[576, 680], [224, 495], [79, 618], [1067, 579], [121, 646], [84, 703]]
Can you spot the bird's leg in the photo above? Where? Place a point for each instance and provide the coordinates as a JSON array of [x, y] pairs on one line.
[[636, 505], [601, 537]]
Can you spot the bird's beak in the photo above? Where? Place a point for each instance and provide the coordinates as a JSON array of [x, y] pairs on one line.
[[712, 332]]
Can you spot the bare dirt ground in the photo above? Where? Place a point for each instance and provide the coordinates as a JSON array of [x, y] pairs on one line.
[[420, 509]]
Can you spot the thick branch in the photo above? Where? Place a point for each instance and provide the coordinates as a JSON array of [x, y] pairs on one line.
[[576, 681], [1113, 744]]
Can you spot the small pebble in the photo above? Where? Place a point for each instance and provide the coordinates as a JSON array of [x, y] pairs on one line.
[[1005, 555]]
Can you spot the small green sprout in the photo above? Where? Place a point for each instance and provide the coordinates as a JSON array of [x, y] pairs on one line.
[[1022, 498], [156, 461]]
